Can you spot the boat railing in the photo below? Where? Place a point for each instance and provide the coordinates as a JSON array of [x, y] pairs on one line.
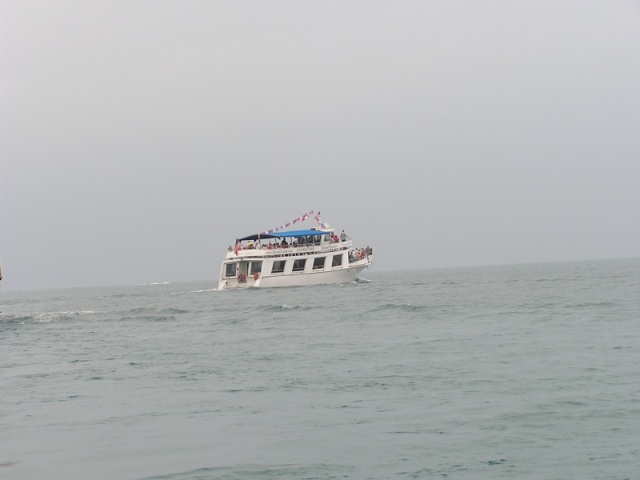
[[279, 251]]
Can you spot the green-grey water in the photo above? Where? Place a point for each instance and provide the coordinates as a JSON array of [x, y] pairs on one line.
[[524, 372]]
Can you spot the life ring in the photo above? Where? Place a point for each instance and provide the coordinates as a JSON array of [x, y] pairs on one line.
[[256, 276]]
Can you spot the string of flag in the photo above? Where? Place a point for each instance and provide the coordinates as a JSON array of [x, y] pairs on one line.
[[301, 218], [323, 226]]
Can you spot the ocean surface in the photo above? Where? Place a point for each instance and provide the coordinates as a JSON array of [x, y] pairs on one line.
[[519, 372]]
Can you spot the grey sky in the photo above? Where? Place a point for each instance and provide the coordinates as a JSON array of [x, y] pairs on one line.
[[138, 139]]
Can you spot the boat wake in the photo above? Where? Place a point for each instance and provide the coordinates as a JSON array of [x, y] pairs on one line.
[[361, 280], [203, 290]]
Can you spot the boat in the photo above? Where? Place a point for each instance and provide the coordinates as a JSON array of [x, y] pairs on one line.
[[290, 258]]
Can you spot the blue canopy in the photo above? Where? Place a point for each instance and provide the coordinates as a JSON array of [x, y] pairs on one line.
[[298, 233], [289, 234]]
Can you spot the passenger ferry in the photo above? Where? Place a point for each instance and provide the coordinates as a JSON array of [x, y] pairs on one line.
[[293, 258]]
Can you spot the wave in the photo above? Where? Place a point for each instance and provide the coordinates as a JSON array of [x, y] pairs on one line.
[[149, 318], [285, 307], [173, 311], [590, 305], [164, 311], [44, 317], [128, 294], [404, 307], [312, 471], [153, 315]]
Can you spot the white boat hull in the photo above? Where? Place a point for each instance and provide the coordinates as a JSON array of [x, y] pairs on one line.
[[346, 275]]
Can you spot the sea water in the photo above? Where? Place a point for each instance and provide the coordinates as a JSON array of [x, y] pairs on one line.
[[523, 372]]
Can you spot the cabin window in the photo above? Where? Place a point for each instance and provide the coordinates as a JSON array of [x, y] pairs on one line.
[[298, 265], [337, 261], [318, 263], [230, 270], [278, 266], [256, 267]]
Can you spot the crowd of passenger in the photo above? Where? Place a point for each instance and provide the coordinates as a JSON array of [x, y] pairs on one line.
[[302, 241], [359, 254]]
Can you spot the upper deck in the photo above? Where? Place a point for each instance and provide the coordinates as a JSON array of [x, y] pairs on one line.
[[272, 249]]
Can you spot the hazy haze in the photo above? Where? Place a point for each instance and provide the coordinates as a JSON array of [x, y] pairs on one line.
[[138, 139]]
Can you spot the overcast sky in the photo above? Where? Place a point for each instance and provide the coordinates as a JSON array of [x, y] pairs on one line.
[[138, 139]]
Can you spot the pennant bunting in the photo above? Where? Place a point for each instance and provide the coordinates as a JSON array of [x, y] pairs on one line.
[[301, 218]]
